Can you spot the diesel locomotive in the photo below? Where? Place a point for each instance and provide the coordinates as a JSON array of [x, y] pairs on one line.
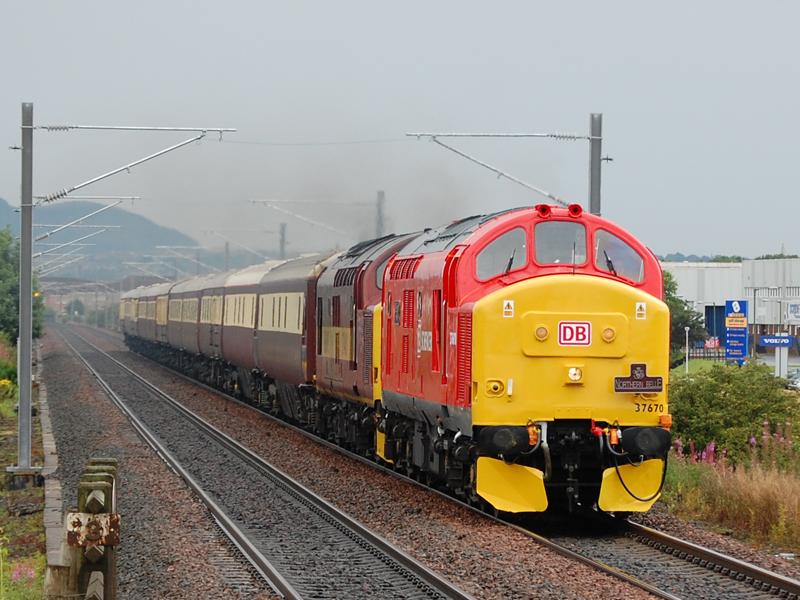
[[519, 359]]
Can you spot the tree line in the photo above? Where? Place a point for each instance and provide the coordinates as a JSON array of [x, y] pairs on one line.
[[9, 291]]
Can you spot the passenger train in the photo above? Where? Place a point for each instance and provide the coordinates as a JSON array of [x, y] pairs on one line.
[[518, 359]]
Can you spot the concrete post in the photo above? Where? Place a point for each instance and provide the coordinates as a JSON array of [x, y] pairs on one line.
[[379, 222], [23, 466], [596, 157], [282, 242]]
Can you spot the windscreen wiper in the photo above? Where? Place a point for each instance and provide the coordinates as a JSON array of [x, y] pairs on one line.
[[510, 261], [610, 264]]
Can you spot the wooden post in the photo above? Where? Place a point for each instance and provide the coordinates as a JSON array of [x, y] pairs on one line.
[[93, 530]]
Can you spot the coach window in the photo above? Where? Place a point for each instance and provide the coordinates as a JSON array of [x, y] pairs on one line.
[[319, 325], [560, 243], [614, 255], [505, 254]]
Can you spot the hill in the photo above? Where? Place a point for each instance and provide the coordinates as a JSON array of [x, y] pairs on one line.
[[137, 234]]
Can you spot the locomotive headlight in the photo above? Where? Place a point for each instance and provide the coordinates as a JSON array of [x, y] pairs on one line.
[[541, 333], [575, 374], [609, 334]]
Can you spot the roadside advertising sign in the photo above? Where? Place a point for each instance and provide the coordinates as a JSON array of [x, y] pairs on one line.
[[793, 312], [776, 341], [736, 338]]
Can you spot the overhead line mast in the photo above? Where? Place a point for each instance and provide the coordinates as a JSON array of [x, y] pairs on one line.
[[24, 468], [595, 139]]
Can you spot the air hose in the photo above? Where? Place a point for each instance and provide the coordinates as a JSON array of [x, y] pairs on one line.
[[615, 454]]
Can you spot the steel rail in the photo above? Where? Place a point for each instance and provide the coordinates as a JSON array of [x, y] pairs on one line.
[[435, 581], [727, 565], [550, 544], [254, 556]]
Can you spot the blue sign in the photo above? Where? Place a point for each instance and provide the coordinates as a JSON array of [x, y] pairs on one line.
[[736, 337], [776, 341]]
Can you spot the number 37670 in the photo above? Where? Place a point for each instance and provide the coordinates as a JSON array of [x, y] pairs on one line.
[[648, 407]]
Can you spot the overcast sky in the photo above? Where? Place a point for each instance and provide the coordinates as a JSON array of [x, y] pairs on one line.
[[700, 104]]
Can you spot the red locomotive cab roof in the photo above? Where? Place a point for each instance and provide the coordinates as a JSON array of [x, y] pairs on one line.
[[496, 250], [363, 266]]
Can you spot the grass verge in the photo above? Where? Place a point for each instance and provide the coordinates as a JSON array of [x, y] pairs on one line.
[[757, 502], [695, 366], [22, 538]]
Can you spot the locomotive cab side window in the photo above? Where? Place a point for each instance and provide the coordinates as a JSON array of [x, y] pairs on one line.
[[504, 254], [560, 243], [379, 274], [614, 255]]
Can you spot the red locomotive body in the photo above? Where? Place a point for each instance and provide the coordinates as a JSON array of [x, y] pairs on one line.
[[429, 291]]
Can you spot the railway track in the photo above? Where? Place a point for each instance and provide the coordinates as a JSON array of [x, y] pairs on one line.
[[760, 579], [681, 568], [661, 564], [296, 541]]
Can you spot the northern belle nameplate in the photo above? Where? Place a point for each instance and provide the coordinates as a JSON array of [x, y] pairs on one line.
[[638, 381]]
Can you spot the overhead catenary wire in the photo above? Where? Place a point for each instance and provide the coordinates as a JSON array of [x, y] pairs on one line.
[[61, 266], [57, 243], [554, 136], [60, 257], [80, 226], [66, 127], [273, 206], [157, 260], [76, 221], [80, 239], [146, 271], [66, 191], [500, 173], [317, 143], [171, 250], [239, 244]]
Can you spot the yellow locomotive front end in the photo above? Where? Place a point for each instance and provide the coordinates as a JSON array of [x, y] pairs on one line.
[[569, 394]]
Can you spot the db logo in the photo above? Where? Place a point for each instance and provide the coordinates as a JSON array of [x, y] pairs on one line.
[[574, 333]]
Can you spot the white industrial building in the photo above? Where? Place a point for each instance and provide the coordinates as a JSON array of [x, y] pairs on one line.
[[771, 287]]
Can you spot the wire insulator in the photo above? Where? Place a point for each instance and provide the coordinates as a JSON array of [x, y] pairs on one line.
[[567, 136]]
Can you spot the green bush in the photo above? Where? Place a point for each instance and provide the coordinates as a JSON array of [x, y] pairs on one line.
[[728, 405], [8, 371]]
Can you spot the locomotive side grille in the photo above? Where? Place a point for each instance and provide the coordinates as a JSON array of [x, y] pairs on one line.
[[464, 358], [404, 364], [366, 369], [408, 308], [345, 276], [404, 268]]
